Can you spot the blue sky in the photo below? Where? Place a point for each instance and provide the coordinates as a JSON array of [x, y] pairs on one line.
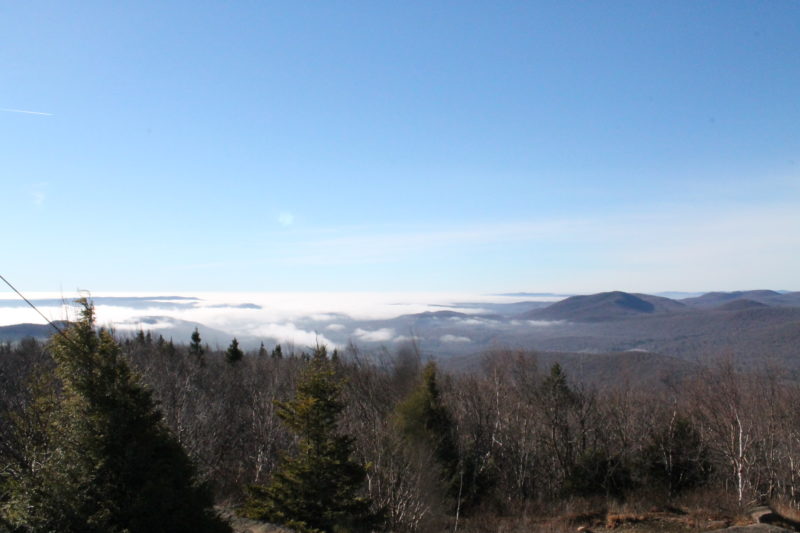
[[403, 146]]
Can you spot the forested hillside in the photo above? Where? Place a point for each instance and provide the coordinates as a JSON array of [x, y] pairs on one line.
[[508, 441]]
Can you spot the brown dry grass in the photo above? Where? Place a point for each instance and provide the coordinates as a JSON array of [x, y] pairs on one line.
[[693, 513], [616, 520], [786, 509], [785, 514], [245, 525]]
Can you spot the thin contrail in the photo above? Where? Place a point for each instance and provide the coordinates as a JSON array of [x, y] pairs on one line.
[[26, 112]]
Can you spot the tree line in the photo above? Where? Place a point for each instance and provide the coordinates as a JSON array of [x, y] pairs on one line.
[[392, 440]]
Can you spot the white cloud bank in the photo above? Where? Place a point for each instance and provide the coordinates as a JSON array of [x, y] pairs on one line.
[[274, 315], [134, 325], [454, 338], [292, 334], [377, 335]]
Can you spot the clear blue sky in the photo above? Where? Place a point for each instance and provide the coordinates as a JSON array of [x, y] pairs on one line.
[[490, 146]]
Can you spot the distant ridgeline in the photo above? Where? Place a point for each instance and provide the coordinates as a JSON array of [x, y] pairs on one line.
[[18, 332], [745, 325]]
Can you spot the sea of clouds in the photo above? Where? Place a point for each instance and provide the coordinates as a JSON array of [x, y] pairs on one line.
[[303, 318]]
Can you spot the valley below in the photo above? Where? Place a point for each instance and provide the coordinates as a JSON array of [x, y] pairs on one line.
[[593, 335]]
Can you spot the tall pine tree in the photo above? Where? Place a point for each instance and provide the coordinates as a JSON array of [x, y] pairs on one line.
[[106, 462], [317, 489], [425, 421], [234, 354], [196, 346]]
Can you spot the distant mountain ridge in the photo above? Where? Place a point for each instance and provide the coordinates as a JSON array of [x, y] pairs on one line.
[[604, 306], [751, 326], [18, 332], [619, 305], [741, 304], [766, 297]]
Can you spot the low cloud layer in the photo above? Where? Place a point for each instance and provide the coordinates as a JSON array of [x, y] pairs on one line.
[[291, 334], [378, 335], [454, 338], [304, 319]]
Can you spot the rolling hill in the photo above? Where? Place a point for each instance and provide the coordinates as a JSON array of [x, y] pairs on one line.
[[766, 297], [17, 332], [754, 327], [605, 306]]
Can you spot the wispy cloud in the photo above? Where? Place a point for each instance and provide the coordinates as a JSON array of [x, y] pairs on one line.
[[545, 323], [136, 325], [472, 321], [288, 332], [389, 246], [713, 250], [26, 112], [377, 335], [654, 248], [454, 338]]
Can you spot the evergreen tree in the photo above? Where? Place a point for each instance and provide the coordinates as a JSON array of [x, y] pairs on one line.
[[262, 351], [555, 387], [676, 457], [234, 354], [558, 402], [317, 489], [425, 420], [196, 347], [277, 353], [170, 348], [106, 462], [596, 472]]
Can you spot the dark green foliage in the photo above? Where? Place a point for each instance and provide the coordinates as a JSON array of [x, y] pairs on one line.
[[556, 390], [424, 420], [676, 457], [234, 354], [277, 352], [262, 351], [316, 490], [104, 460], [598, 474], [195, 347], [558, 402], [476, 481], [170, 349]]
